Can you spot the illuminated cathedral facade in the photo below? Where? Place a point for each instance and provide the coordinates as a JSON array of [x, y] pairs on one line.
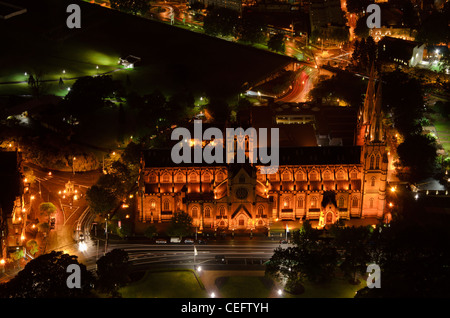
[[312, 183]]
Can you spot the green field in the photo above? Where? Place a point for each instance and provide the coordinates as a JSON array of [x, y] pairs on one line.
[[260, 287], [184, 284], [173, 59], [165, 284], [442, 126]]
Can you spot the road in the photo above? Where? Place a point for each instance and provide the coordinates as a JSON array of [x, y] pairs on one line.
[[248, 255], [71, 207]]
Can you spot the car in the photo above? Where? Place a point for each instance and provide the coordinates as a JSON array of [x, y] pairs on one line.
[[189, 241], [201, 241], [81, 237], [283, 242], [52, 222], [161, 241]]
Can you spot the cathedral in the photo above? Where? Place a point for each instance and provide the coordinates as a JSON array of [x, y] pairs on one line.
[[323, 184]]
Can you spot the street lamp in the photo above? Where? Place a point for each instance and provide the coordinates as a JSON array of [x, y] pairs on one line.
[[73, 164]]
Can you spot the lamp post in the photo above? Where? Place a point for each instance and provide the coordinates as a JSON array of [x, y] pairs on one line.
[[73, 164], [106, 234]]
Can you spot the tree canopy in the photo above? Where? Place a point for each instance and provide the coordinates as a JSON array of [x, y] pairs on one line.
[[46, 277]]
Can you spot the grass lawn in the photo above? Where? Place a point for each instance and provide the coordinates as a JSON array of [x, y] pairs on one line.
[[337, 288], [244, 287], [257, 287], [442, 126], [173, 59], [165, 284]]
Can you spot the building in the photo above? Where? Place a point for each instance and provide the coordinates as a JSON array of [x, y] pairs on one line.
[[394, 32], [404, 52], [323, 184], [11, 203]]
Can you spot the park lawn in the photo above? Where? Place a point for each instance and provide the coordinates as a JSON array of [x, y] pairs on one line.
[[165, 284], [245, 287], [172, 58], [254, 287], [337, 288], [442, 126]]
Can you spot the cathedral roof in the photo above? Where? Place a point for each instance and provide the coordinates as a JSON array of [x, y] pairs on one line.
[[287, 156]]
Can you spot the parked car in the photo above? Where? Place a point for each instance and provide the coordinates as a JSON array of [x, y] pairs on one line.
[[175, 240], [189, 241], [52, 223], [283, 242], [202, 241], [161, 241]]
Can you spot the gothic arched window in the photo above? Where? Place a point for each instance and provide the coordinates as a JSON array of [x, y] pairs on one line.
[[166, 205]]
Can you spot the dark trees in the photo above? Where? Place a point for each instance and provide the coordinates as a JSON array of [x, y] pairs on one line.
[[180, 225], [46, 277], [276, 43], [112, 271]]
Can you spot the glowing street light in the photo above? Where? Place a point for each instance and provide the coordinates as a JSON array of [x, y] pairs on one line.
[[82, 247]]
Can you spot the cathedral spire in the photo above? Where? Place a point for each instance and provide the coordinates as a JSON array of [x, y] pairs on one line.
[[369, 98], [376, 121]]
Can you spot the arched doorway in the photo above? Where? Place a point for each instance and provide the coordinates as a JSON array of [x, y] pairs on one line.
[[329, 218]]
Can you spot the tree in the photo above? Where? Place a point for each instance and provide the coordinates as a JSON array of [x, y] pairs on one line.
[[418, 153], [112, 271], [415, 258], [442, 108], [32, 247], [43, 227], [36, 84], [403, 97], [337, 86], [353, 241], [47, 209], [221, 21], [180, 224], [284, 267], [251, 30], [435, 29], [101, 200], [364, 54], [361, 29], [131, 6], [218, 109], [150, 232], [319, 261], [276, 43], [89, 93], [46, 277]]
